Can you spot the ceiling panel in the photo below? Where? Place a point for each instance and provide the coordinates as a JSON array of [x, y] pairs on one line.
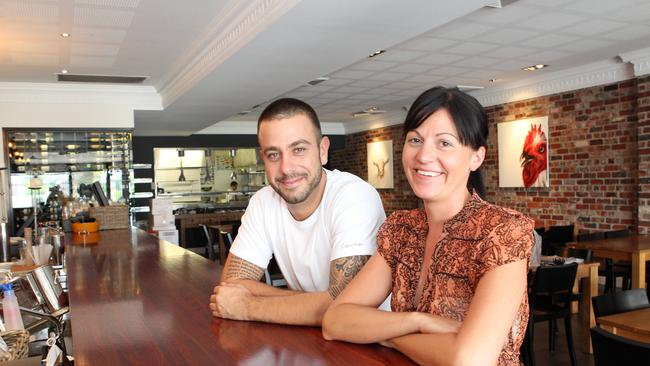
[[551, 21], [111, 3], [427, 44], [471, 48], [103, 17], [92, 61], [94, 49]]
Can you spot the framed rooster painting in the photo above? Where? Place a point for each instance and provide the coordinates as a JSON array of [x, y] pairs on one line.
[[380, 164], [523, 153]]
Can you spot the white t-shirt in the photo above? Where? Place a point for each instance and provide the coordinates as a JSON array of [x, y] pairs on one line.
[[344, 224]]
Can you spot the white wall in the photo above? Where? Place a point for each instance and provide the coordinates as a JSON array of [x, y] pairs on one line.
[[66, 105]]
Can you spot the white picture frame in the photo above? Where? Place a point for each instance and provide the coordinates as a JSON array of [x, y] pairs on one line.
[[523, 147]]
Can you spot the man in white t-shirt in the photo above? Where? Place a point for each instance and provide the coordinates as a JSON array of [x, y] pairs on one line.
[[320, 226]]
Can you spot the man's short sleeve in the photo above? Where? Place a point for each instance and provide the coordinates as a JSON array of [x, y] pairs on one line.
[[252, 243], [356, 215]]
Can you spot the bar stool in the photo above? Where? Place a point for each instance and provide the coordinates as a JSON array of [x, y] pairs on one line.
[[210, 243]]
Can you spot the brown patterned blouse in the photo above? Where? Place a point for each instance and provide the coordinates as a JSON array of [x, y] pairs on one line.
[[479, 238]]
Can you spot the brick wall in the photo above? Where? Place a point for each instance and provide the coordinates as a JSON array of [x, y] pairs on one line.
[[596, 166], [643, 113], [353, 159], [593, 158]]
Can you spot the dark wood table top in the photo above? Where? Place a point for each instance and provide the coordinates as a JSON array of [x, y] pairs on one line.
[[630, 244], [636, 321], [135, 300]]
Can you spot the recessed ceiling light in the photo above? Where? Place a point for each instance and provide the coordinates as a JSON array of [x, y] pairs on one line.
[[318, 80], [65, 35], [376, 53], [64, 71], [469, 87], [534, 67]]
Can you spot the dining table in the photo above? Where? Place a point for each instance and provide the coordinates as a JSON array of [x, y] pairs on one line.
[[138, 300], [587, 274], [635, 248], [631, 324]]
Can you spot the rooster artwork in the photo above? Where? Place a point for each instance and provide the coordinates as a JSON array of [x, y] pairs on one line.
[[534, 158]]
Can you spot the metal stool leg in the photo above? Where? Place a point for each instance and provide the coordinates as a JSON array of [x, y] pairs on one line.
[[211, 255]]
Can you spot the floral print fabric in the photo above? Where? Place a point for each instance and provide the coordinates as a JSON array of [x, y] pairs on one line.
[[479, 238]]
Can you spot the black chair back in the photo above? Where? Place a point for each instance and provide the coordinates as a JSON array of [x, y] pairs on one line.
[[554, 282], [580, 253], [610, 349], [550, 299], [620, 302], [618, 233], [591, 236], [556, 236]]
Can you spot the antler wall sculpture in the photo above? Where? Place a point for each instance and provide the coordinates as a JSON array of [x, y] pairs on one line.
[[381, 171]]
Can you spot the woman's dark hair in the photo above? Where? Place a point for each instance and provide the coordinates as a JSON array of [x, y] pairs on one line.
[[468, 117]]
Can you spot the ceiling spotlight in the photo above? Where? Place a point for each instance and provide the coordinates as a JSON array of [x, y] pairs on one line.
[[534, 67], [376, 53], [64, 71], [65, 35], [318, 80], [469, 87]]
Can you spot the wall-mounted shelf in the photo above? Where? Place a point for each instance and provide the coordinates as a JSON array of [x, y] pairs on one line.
[[142, 180]]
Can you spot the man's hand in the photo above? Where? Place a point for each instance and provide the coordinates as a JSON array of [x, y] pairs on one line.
[[231, 301]]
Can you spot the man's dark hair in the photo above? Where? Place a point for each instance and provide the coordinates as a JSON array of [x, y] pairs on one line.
[[287, 108]]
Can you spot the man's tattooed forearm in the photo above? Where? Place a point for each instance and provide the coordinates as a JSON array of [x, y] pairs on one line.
[[343, 271], [239, 269]]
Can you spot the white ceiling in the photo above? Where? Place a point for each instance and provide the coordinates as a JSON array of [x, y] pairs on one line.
[[216, 58]]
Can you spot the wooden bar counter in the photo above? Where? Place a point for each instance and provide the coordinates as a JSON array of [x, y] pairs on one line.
[[135, 300]]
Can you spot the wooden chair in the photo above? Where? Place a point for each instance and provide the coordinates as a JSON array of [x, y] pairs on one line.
[[209, 244], [610, 349], [550, 299], [614, 269], [620, 302]]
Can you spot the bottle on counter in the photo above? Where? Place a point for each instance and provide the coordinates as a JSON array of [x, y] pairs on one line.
[[10, 310]]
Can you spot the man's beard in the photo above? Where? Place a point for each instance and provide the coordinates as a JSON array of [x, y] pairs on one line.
[[298, 196]]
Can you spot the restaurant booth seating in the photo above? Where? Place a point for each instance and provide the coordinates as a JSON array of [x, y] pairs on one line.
[[549, 299], [610, 349]]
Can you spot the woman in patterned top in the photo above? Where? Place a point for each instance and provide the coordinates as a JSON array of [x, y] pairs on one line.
[[457, 268]]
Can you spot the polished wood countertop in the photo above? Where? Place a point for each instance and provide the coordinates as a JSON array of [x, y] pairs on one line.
[[137, 300]]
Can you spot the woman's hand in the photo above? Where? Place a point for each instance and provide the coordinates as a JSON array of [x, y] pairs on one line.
[[428, 323]]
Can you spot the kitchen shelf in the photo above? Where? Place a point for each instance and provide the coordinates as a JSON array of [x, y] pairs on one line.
[[184, 168], [142, 180]]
